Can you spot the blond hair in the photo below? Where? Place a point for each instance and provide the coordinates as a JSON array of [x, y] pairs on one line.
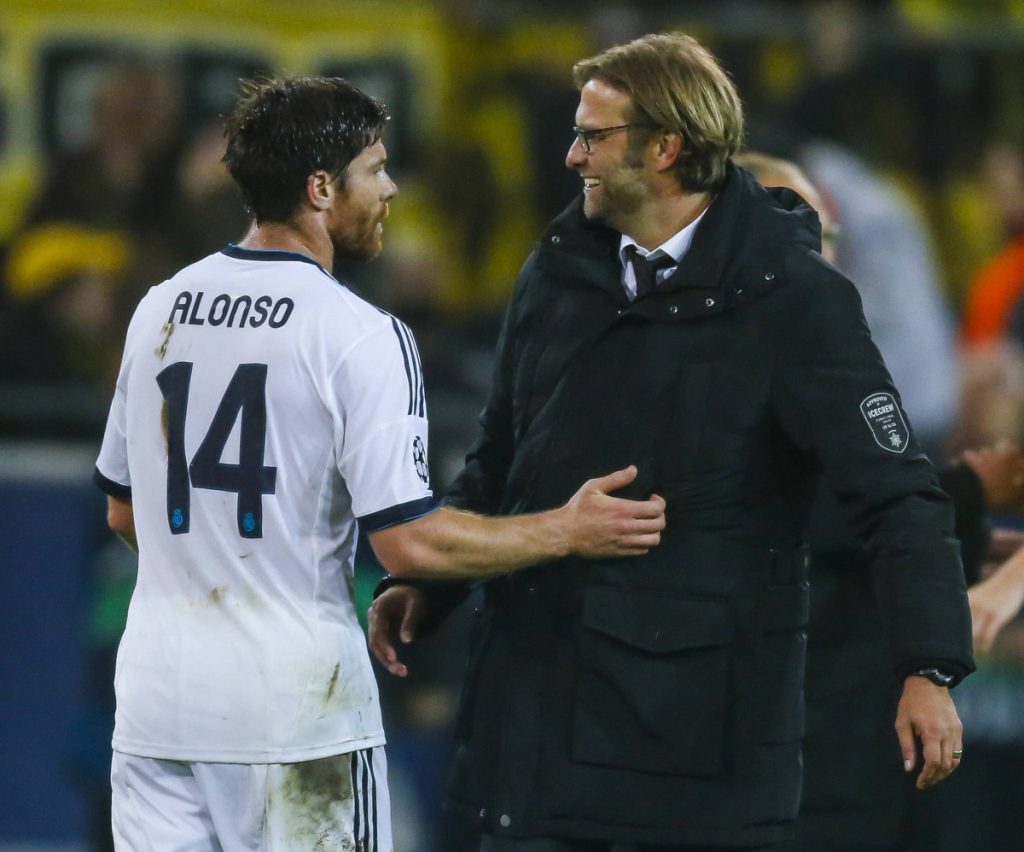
[[676, 85]]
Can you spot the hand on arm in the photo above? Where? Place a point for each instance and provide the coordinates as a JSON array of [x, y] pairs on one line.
[[460, 545], [926, 711]]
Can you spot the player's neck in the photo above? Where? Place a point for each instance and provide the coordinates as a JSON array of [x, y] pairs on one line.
[[665, 217], [286, 236]]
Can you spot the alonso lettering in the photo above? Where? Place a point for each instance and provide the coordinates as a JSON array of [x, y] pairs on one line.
[[231, 312]]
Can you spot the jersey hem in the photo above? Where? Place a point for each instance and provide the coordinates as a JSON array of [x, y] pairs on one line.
[[399, 514], [108, 486], [246, 756]]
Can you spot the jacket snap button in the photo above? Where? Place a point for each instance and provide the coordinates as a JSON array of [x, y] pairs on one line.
[[769, 276], [505, 821], [738, 291], [556, 239], [483, 813], [710, 303], [673, 309]]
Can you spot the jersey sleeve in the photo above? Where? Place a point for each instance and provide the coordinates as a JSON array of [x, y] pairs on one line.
[[111, 474], [381, 428]]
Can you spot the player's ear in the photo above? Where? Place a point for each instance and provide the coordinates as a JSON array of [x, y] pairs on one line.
[[669, 147], [320, 189]]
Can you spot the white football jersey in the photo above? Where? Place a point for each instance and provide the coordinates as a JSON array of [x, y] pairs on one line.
[[261, 409]]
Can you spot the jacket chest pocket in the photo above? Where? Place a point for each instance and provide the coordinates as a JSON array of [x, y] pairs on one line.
[[654, 682]]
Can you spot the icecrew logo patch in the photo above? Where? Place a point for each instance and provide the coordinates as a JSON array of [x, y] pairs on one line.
[[419, 458], [884, 417]]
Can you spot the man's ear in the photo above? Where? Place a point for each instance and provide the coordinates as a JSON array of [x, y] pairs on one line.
[[320, 190], [669, 147]]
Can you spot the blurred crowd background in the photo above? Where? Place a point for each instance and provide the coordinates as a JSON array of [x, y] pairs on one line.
[[909, 116]]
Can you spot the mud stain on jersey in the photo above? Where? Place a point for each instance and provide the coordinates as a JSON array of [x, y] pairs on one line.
[[332, 684], [314, 804], [217, 594], [168, 330]]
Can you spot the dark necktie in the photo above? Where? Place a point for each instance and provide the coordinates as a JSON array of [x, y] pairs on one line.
[[646, 271]]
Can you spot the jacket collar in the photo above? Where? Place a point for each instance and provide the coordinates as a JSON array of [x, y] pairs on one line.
[[736, 254]]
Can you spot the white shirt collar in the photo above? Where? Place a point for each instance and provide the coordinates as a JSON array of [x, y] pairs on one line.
[[675, 246]]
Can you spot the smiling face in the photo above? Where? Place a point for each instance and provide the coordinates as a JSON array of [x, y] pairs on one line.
[[615, 179], [356, 218]]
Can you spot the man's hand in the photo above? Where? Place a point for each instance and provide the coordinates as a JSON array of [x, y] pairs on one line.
[[394, 616], [927, 711], [1001, 471], [600, 525], [996, 600]]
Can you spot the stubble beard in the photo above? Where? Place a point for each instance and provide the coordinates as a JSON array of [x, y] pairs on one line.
[[619, 201], [362, 244]]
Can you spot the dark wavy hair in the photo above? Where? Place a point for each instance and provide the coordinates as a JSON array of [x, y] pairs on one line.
[[283, 130]]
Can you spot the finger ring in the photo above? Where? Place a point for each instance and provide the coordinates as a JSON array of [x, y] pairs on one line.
[[958, 753]]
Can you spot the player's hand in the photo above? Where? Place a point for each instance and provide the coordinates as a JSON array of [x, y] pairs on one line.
[[927, 711], [395, 616], [1001, 471], [600, 525], [996, 600]]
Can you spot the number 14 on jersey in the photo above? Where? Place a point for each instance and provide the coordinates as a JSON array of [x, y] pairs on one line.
[[250, 479]]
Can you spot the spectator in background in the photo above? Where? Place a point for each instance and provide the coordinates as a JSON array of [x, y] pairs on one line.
[[993, 307], [886, 251], [774, 171], [208, 208], [64, 281], [124, 177]]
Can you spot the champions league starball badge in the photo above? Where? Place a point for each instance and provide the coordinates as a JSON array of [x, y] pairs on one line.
[[419, 458]]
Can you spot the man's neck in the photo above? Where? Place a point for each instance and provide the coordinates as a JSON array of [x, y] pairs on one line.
[[281, 236], [656, 223]]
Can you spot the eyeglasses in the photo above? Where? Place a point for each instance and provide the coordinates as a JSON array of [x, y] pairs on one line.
[[586, 136]]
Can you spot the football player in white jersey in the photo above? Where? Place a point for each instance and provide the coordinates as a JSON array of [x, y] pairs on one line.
[[261, 413]]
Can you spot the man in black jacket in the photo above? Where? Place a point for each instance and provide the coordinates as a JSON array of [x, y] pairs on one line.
[[681, 316]]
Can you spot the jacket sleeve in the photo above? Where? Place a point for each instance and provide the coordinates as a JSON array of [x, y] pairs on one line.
[[834, 398]]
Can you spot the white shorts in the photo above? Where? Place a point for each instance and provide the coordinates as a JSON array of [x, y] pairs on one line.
[[335, 803]]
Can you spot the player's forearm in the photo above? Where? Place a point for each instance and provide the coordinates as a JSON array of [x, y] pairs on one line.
[[121, 519], [460, 545]]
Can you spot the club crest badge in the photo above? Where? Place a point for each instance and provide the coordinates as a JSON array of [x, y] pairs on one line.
[[885, 419], [419, 458]]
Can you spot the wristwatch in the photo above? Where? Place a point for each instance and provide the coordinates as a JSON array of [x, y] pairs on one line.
[[935, 675]]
